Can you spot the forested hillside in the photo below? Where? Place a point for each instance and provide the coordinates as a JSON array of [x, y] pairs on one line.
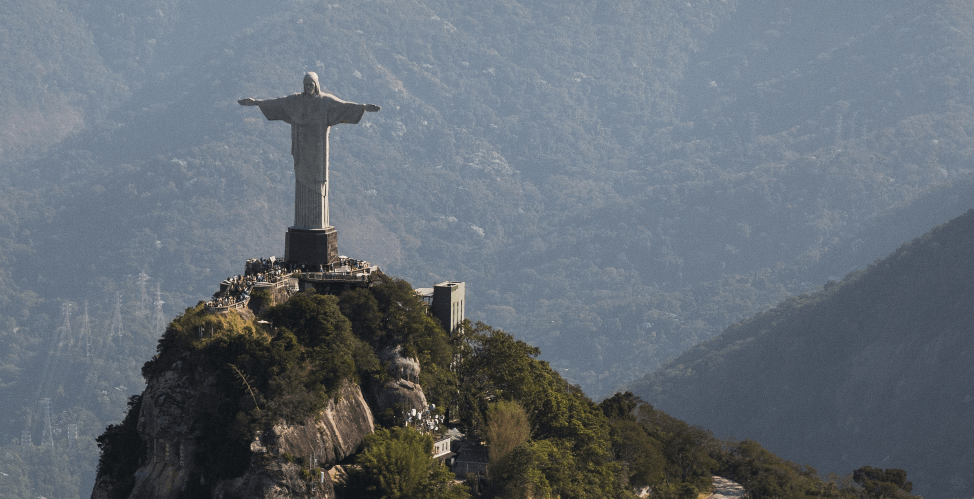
[[616, 181], [876, 368], [264, 377]]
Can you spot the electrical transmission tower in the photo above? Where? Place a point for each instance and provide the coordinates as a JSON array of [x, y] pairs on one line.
[[115, 328], [85, 334], [72, 435], [160, 318], [47, 437], [65, 336], [144, 296]]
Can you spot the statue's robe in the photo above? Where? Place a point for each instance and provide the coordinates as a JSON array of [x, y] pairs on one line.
[[311, 117]]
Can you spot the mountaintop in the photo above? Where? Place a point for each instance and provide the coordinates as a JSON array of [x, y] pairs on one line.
[[307, 401]]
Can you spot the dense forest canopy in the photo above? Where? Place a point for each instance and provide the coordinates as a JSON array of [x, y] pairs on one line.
[[616, 181], [544, 437], [838, 372]]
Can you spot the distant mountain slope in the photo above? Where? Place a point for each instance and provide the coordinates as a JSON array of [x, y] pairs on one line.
[[616, 181], [876, 369]]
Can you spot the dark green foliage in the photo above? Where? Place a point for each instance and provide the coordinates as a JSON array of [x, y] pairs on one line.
[[894, 335], [765, 475], [676, 460], [314, 319], [397, 464], [263, 375], [390, 314], [883, 484], [554, 442], [568, 453], [363, 309], [621, 406], [260, 300], [689, 451], [122, 451], [507, 428], [640, 454]]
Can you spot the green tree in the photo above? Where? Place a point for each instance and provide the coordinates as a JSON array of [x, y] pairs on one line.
[[260, 300], [621, 406], [122, 450], [398, 464], [882, 484], [689, 450], [390, 314], [570, 455], [640, 454], [507, 428]]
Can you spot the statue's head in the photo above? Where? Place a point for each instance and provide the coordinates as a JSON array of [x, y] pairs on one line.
[[311, 86]]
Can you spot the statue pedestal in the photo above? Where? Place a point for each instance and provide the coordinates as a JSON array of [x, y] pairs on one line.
[[311, 246]]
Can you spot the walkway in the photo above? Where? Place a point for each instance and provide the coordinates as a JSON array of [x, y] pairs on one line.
[[726, 489]]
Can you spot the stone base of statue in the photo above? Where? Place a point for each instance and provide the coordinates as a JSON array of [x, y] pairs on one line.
[[311, 246]]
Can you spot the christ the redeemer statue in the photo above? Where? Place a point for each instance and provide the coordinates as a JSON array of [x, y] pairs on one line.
[[311, 115]]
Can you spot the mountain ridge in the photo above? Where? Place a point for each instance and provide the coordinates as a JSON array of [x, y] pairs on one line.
[[874, 368]]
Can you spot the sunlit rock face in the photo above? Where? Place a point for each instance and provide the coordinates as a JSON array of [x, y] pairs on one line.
[[174, 416]]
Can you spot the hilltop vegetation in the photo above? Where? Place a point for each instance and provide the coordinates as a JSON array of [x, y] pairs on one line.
[[838, 372], [483, 379]]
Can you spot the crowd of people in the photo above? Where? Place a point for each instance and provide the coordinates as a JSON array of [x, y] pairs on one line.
[[235, 291], [344, 269]]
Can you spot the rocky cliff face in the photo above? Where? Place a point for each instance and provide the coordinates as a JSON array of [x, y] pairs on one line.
[[401, 393], [173, 418], [332, 436], [243, 412]]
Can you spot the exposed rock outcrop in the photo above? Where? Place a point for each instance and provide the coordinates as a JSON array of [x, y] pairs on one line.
[[401, 395], [174, 405], [274, 479], [400, 366], [334, 435], [176, 408]]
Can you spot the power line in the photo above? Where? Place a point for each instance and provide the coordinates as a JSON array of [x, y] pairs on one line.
[[47, 437]]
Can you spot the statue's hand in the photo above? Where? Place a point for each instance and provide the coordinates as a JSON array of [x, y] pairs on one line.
[[247, 102], [372, 108]]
